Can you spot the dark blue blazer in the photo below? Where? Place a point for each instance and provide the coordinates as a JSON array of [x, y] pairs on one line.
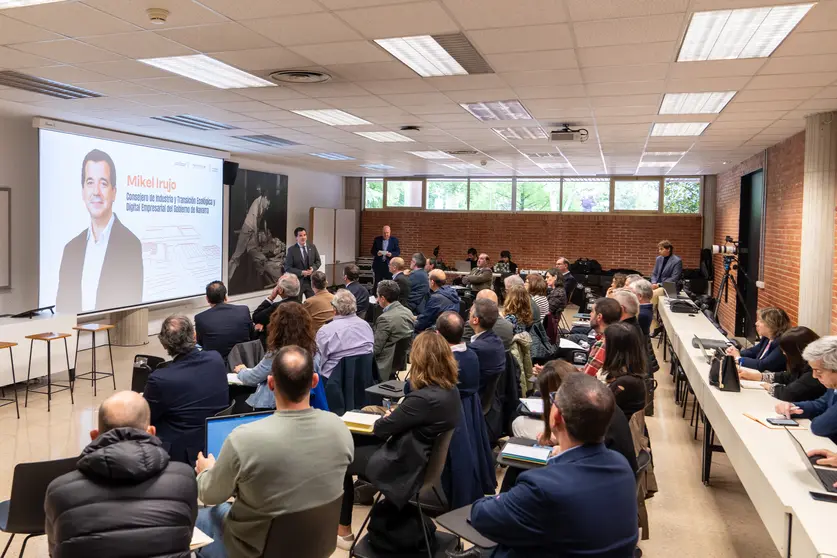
[[419, 290], [361, 296], [773, 361], [223, 326], [181, 396], [583, 503], [382, 262], [672, 271], [823, 414], [645, 317], [570, 283], [491, 354]]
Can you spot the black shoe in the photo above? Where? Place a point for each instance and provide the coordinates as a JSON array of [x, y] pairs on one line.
[[656, 333], [473, 552]]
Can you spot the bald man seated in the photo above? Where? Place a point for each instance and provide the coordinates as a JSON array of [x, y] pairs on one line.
[[503, 328], [125, 493]]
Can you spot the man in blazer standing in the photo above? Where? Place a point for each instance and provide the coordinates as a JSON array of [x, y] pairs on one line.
[[384, 248], [668, 267], [302, 259]]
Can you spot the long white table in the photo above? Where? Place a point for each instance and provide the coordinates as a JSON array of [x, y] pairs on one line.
[[771, 470]]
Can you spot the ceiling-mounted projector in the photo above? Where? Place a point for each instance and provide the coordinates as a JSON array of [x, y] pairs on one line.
[[568, 134]]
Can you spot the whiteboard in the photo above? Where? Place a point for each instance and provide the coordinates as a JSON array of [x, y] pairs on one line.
[[5, 238], [345, 225], [322, 232]]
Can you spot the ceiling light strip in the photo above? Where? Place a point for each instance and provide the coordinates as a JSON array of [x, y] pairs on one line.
[[207, 70]]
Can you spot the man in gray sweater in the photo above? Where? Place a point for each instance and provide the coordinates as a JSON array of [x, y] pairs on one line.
[[290, 461]]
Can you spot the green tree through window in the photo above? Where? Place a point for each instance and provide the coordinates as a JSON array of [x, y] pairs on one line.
[[538, 195], [374, 193], [681, 195]]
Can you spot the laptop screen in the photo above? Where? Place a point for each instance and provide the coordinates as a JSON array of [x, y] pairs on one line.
[[218, 428], [670, 288]]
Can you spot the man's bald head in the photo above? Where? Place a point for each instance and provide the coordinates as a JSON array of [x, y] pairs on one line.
[[124, 409], [487, 293], [437, 278]]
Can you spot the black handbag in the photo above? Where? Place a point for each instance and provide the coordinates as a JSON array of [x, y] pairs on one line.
[[723, 373], [541, 346]]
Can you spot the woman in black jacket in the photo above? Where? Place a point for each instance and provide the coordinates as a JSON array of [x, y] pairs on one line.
[[557, 295], [625, 365], [797, 383], [396, 466]]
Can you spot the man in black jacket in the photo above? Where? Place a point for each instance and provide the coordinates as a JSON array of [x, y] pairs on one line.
[[224, 325], [125, 494], [570, 282], [351, 274], [286, 290], [419, 284], [397, 267], [302, 259]]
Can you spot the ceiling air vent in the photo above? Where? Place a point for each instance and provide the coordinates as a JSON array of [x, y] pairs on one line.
[[461, 49], [26, 82], [461, 153], [194, 122], [299, 76], [270, 141]]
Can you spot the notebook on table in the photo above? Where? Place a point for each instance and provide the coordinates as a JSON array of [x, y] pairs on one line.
[[533, 404], [527, 454], [363, 423]]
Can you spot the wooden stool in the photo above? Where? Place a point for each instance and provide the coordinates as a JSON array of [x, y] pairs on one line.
[[3, 400], [49, 338], [95, 374]]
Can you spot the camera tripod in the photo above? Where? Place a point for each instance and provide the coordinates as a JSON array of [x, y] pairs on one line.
[[723, 288]]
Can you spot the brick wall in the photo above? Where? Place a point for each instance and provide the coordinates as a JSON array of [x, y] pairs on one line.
[[783, 221], [536, 240]]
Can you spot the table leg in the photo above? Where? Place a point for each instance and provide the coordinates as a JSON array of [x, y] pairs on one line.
[[49, 375], [28, 374], [71, 374], [708, 435], [14, 381], [75, 359], [112, 369], [93, 367]]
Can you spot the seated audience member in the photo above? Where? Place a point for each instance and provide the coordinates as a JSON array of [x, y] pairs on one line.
[[289, 325], [797, 383], [557, 297], [518, 309], [505, 265], [351, 273], [419, 283], [397, 267], [430, 264], [643, 291], [394, 458], [481, 276], [633, 278], [570, 282], [472, 257], [319, 306], [347, 335], [624, 367], [502, 327], [394, 324], [485, 342], [765, 356], [192, 387], [668, 268], [556, 510], [290, 461], [822, 357], [124, 492], [617, 282], [224, 325], [536, 287], [629, 304], [605, 311], [517, 281], [442, 298], [286, 290]]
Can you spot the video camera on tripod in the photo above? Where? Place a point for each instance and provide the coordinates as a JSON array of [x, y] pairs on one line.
[[729, 248]]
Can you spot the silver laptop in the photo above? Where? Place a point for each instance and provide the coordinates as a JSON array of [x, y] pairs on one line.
[[462, 265], [826, 475], [671, 291], [706, 355]]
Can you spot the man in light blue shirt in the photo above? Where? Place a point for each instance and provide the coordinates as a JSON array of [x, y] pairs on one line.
[[347, 335]]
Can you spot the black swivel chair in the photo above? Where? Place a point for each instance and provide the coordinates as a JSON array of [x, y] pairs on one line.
[[399, 359], [23, 513], [226, 412], [304, 534], [144, 365], [487, 395]]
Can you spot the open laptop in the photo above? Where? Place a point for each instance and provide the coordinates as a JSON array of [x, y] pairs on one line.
[[703, 350], [462, 265], [826, 475], [218, 428], [671, 291]]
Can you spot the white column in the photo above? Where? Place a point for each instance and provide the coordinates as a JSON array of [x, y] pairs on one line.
[[131, 327], [818, 199]]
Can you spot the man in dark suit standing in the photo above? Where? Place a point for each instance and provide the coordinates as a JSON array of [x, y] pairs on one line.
[[101, 268], [224, 325], [419, 283], [397, 267], [302, 259], [581, 480], [384, 248], [181, 395]]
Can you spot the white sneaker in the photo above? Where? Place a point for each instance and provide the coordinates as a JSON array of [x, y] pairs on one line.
[[345, 543]]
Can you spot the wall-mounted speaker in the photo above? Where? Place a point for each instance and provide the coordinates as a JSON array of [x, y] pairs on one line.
[[230, 172]]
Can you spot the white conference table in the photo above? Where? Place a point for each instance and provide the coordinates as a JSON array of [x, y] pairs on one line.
[[772, 472]]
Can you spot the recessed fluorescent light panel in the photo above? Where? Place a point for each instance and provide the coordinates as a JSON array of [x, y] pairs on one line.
[[696, 103], [664, 153], [460, 166], [657, 164], [333, 156], [431, 154], [200, 67], [679, 128], [424, 55], [521, 133], [332, 117], [497, 110], [377, 167], [745, 33], [384, 136], [5, 4], [551, 166]]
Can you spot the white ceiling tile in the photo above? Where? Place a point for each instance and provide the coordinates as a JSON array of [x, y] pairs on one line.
[[650, 72], [68, 51], [13, 31], [343, 53], [372, 71], [303, 29], [716, 68], [800, 64], [139, 44], [436, 108], [700, 85], [822, 17], [412, 99], [126, 69], [117, 88], [300, 104], [440, 118], [262, 8], [157, 100], [523, 61], [753, 115], [21, 96], [522, 39], [627, 111], [802, 44], [755, 95], [181, 12], [66, 74], [792, 80], [818, 105], [344, 4], [581, 10], [15, 59], [636, 30], [481, 95], [173, 84], [406, 20], [485, 14], [370, 112], [625, 101], [463, 83], [542, 77], [70, 18], [242, 106], [218, 37], [268, 93], [272, 58], [329, 89], [270, 115], [550, 91], [216, 96], [650, 53], [349, 103], [625, 88], [394, 86]]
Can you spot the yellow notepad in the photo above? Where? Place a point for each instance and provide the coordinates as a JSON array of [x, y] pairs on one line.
[[363, 423]]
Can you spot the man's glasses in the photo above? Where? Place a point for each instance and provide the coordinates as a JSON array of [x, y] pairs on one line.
[[553, 397]]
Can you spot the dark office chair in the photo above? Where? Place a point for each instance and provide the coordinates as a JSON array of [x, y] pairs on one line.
[[144, 365], [305, 534], [399, 359], [226, 412], [23, 513]]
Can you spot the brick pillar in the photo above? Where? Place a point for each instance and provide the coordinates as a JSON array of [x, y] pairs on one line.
[[818, 199]]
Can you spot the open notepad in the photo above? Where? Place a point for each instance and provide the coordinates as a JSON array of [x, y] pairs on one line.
[[232, 379], [199, 539], [360, 422], [750, 384], [534, 404], [528, 454]]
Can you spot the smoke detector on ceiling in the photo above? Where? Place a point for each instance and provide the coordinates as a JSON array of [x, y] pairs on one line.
[[157, 16], [299, 76]]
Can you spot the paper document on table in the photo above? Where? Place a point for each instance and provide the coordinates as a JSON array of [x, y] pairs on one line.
[[763, 421], [232, 379], [529, 454], [360, 422], [750, 384], [534, 404], [199, 539]]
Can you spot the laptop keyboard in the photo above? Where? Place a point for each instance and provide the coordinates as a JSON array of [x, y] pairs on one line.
[[827, 476]]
